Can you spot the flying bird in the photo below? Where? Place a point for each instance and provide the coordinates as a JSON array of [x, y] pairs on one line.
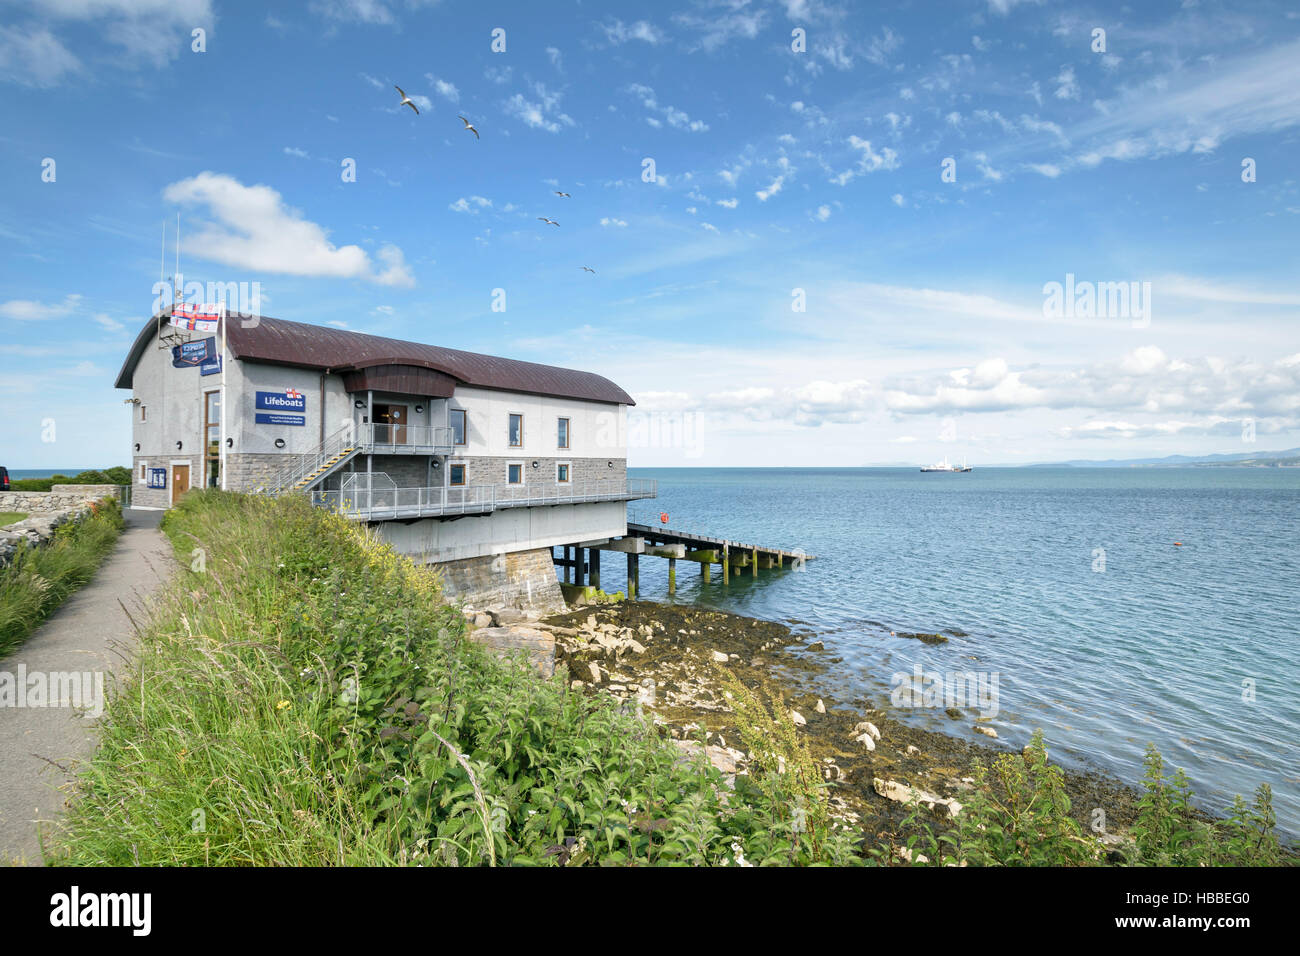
[[406, 100], [585, 269], [544, 219], [565, 195], [470, 127]]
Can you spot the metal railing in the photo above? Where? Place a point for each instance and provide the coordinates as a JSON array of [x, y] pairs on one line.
[[378, 498], [335, 449], [385, 438]]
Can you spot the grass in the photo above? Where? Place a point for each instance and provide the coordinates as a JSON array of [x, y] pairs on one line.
[[9, 517], [303, 696], [39, 579]]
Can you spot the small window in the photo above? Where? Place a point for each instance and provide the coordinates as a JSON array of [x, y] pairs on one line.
[[458, 423], [457, 475], [144, 471], [562, 473], [144, 413], [515, 474], [563, 436], [516, 431]]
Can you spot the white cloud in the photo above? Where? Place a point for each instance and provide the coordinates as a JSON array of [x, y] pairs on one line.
[[254, 229], [443, 88], [35, 58], [468, 205], [709, 226], [773, 188], [868, 162], [823, 213], [26, 310], [542, 114], [609, 221], [619, 33], [151, 32], [675, 117], [728, 203], [1067, 87]]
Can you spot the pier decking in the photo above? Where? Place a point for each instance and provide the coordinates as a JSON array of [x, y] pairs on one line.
[[581, 562]]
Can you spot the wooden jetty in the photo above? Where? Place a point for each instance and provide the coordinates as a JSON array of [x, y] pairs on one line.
[[581, 562]]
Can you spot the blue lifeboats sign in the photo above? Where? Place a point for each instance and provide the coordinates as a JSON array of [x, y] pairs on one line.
[[157, 478], [276, 404]]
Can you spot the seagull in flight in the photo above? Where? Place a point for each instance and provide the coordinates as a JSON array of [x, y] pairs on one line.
[[406, 100], [565, 195], [544, 219], [470, 127], [585, 269]]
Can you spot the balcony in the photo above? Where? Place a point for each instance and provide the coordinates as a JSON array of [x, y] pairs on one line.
[[374, 438], [384, 501]]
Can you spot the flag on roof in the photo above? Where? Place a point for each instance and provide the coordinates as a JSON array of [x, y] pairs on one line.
[[196, 318]]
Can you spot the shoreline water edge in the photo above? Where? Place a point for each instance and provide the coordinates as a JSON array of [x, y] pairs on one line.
[[669, 661]]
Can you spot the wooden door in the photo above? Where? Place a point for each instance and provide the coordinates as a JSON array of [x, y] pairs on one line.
[[397, 423], [180, 481]]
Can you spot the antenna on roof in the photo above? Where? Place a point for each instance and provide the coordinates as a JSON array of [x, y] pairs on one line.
[[178, 293]]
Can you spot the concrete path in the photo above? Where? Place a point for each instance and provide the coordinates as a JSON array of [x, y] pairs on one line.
[[89, 635]]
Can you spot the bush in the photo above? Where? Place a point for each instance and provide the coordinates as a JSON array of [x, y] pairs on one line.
[[39, 579], [310, 699], [117, 475]]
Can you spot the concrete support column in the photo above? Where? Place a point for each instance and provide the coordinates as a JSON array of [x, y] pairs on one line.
[[705, 571], [580, 572], [672, 575], [726, 564], [753, 564], [595, 567], [633, 573]]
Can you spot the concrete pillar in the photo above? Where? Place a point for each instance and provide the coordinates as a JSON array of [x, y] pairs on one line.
[[672, 575], [726, 564], [753, 564], [705, 571], [633, 572], [595, 567], [568, 565]]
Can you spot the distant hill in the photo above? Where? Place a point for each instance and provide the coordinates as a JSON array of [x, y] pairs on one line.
[[1259, 459]]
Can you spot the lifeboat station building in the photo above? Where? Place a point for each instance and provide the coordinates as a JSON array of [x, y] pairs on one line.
[[453, 456]]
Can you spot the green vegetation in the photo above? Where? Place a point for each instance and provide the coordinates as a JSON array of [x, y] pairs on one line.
[[304, 696], [117, 475], [1019, 815], [38, 579], [9, 517]]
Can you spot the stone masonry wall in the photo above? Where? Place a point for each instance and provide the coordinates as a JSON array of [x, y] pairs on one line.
[[492, 471], [58, 498], [523, 579]]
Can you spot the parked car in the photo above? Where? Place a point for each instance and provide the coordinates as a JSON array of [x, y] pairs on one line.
[[4, 478]]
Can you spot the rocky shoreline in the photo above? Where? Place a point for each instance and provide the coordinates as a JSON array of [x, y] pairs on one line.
[[667, 658]]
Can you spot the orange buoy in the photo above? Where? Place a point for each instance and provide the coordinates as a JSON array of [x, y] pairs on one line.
[[1178, 544], [663, 517]]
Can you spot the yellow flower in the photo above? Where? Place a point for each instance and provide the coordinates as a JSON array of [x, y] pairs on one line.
[[282, 705]]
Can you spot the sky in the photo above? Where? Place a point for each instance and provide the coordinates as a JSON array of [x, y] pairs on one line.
[[822, 234]]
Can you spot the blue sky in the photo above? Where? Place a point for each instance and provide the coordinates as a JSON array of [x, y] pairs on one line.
[[780, 176]]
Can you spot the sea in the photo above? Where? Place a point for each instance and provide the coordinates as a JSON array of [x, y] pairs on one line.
[[1117, 607]]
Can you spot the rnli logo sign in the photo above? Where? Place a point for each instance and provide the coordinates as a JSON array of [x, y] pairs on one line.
[[274, 405]]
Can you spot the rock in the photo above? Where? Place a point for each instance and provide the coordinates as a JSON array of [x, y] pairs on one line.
[[906, 854], [594, 669], [645, 694], [902, 793], [798, 718], [820, 708], [913, 750], [986, 731], [482, 619], [816, 646], [723, 758], [591, 622], [866, 741], [537, 644], [954, 713], [719, 657], [867, 727]]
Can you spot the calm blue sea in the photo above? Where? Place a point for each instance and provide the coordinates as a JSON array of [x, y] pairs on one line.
[[1158, 647]]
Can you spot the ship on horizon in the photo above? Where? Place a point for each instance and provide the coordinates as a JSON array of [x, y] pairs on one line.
[[944, 466]]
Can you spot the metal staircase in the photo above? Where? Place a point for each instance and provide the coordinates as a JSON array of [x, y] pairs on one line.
[[301, 472]]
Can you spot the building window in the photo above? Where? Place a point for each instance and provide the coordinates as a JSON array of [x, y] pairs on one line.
[[212, 436], [459, 424], [562, 472], [456, 475], [516, 431], [144, 413], [515, 473], [563, 436], [144, 471]]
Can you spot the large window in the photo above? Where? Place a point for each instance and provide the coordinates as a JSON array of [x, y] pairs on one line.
[[516, 431], [212, 437], [458, 423], [562, 439], [457, 476], [515, 474]]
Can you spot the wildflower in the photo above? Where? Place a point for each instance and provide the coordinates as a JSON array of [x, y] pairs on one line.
[[738, 854], [281, 705]]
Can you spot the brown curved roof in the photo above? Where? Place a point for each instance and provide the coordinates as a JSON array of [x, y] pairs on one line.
[[280, 342]]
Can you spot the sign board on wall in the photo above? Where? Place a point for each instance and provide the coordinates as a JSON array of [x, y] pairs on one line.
[[157, 478], [275, 404], [211, 367]]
